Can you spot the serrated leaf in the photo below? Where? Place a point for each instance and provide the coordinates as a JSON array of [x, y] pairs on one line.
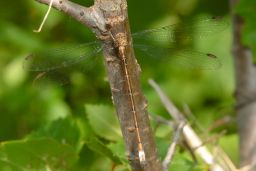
[[103, 121], [38, 154]]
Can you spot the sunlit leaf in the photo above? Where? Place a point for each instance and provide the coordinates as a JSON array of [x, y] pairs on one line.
[[65, 131], [104, 121], [38, 154]]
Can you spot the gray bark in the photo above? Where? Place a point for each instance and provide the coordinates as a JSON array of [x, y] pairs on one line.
[[245, 94]]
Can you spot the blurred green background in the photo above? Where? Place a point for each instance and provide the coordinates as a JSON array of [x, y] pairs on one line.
[[75, 119]]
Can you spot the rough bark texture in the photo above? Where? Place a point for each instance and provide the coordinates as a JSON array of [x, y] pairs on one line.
[[245, 74], [109, 20]]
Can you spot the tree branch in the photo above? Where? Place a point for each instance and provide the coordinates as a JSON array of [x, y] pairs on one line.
[[245, 93], [90, 17], [109, 20]]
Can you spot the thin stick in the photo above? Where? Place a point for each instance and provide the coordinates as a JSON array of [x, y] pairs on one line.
[[190, 135], [170, 107], [225, 158], [220, 122], [161, 120], [168, 158], [45, 17]]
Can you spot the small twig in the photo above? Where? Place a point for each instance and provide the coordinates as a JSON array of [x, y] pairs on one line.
[[228, 162], [211, 139], [161, 120], [220, 122], [45, 17], [168, 158], [89, 16], [225, 158], [192, 118], [190, 136], [170, 107]]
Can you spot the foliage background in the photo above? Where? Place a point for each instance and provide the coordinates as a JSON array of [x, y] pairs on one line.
[[73, 126]]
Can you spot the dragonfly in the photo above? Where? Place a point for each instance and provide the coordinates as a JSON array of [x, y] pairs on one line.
[[156, 43]]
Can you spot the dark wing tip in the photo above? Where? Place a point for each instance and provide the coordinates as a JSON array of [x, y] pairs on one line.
[[217, 17], [29, 56], [211, 55]]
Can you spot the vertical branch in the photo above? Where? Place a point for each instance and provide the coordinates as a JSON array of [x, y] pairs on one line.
[[109, 20], [123, 72], [245, 75]]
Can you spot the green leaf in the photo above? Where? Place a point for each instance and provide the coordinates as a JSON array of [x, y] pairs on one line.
[[96, 145], [104, 121], [182, 162], [118, 149], [43, 154], [65, 131]]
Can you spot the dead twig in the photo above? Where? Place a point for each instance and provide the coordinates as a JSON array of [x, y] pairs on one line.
[[220, 122], [161, 120], [168, 158], [45, 17], [170, 107], [191, 138]]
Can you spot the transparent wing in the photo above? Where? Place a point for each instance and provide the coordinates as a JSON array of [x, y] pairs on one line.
[[42, 78], [173, 33], [56, 58], [185, 58]]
